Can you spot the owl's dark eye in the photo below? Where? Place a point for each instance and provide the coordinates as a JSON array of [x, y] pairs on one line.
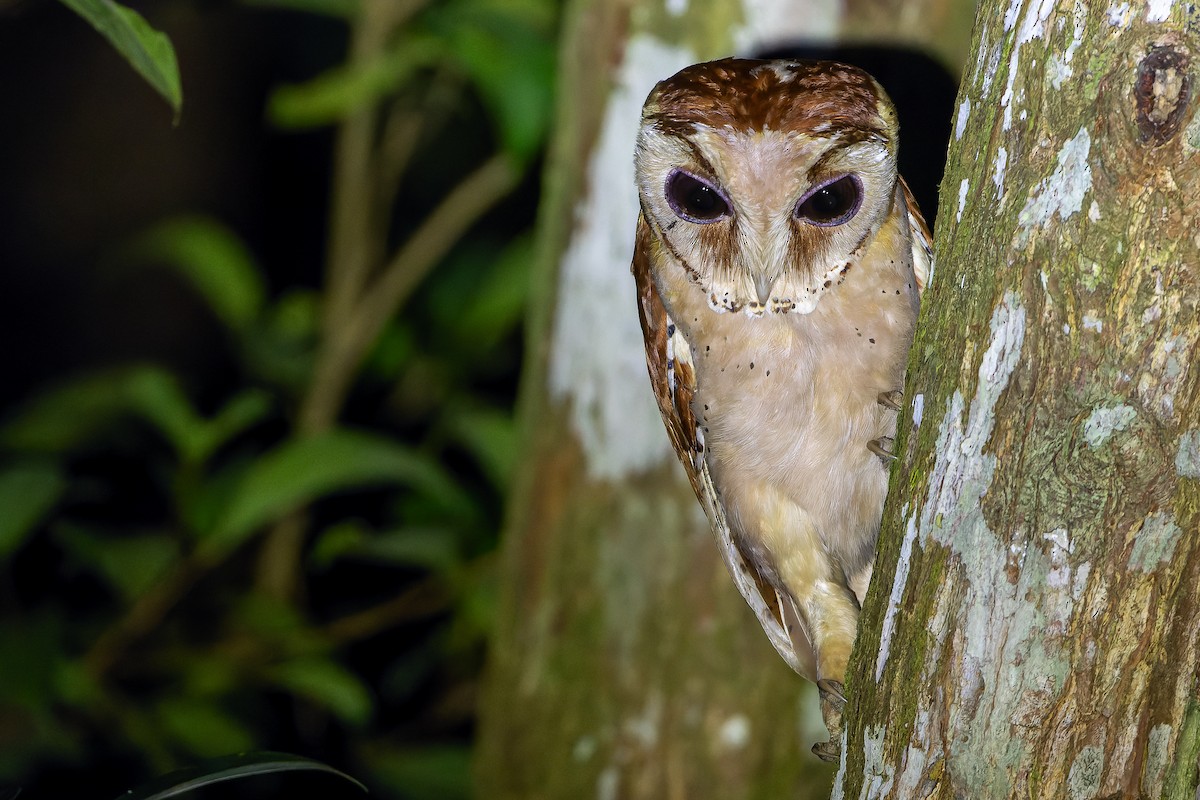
[[693, 199], [834, 203]]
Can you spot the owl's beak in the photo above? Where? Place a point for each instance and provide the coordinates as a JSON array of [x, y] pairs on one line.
[[762, 287]]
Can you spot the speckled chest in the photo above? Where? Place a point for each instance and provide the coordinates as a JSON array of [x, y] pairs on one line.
[[792, 399]]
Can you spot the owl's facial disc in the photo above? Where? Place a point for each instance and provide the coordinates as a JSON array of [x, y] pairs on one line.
[[694, 199], [833, 203]]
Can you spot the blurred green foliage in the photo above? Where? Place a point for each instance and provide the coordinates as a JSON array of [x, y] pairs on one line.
[[161, 638], [148, 51]]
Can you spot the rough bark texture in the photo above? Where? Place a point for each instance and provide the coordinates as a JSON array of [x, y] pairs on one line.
[[1039, 638], [625, 664]]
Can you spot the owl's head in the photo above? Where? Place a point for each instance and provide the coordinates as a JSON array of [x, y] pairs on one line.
[[763, 180]]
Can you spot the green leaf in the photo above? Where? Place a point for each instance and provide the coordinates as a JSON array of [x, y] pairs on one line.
[[68, 415], [229, 768], [337, 541], [202, 728], [328, 684], [302, 470], [201, 506], [65, 416], [27, 493], [281, 352], [244, 410], [433, 548], [497, 306], [147, 50], [343, 90], [213, 259], [156, 396], [131, 564], [489, 435], [508, 49]]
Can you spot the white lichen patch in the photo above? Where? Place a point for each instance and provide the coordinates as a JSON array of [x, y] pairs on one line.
[[1059, 66], [1158, 10], [839, 780], [1083, 781], [1191, 134], [597, 364], [1164, 373], [1102, 423], [643, 729], [989, 66], [960, 122], [1093, 323], [1064, 585], [878, 773], [1094, 212], [1187, 457], [1062, 193], [677, 7], [998, 171], [1154, 542], [608, 783], [916, 756], [1119, 14], [1033, 26], [1157, 758], [962, 197], [918, 412], [585, 747], [734, 733]]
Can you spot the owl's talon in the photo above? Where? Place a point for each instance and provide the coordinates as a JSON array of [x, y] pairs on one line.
[[833, 700], [891, 399], [832, 692], [830, 751], [880, 447]]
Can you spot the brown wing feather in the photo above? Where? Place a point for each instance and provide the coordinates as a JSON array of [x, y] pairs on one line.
[[673, 379], [672, 391], [922, 244]]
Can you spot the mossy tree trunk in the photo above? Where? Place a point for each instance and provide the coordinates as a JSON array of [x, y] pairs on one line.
[[625, 665], [1032, 629]]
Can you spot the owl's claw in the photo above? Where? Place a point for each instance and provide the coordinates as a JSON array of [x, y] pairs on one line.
[[882, 448], [833, 700], [891, 399], [830, 751]]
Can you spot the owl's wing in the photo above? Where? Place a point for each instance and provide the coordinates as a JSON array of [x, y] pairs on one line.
[[922, 240], [673, 377]]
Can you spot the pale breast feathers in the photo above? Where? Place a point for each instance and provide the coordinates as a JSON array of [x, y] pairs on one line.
[[673, 379]]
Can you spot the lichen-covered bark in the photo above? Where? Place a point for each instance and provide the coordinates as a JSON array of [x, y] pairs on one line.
[[1033, 629], [625, 664]]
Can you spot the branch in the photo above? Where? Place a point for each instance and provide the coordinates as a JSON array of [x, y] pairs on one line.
[[344, 348], [349, 337]]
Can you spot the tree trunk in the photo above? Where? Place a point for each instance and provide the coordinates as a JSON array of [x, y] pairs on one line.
[[1032, 629], [625, 664]]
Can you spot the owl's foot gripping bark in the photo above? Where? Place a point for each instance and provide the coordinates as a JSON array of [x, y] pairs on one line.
[[891, 399], [833, 700], [882, 447]]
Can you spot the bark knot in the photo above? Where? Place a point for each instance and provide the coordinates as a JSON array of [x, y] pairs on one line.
[[1163, 91]]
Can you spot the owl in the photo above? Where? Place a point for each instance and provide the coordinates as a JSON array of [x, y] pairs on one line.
[[779, 261]]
